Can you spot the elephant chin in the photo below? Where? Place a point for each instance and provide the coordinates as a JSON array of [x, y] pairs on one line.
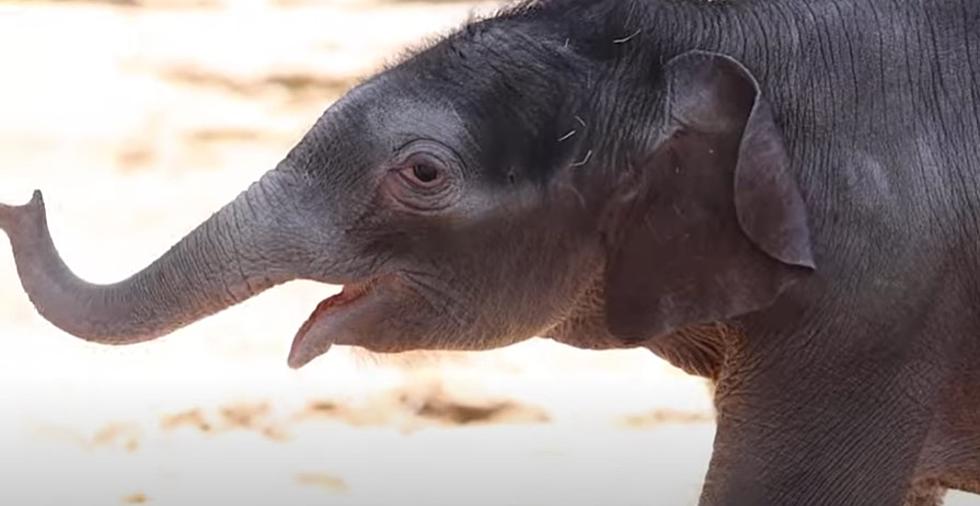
[[342, 318]]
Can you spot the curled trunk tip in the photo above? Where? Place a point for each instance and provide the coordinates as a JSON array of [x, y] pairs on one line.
[[13, 218]]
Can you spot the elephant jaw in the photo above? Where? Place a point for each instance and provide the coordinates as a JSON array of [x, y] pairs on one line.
[[331, 321]]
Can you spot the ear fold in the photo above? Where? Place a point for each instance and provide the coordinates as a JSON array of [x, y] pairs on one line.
[[713, 225]]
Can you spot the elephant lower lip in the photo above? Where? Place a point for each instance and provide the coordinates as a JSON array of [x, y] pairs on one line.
[[300, 354]]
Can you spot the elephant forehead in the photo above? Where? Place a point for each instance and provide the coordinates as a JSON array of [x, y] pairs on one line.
[[396, 111]]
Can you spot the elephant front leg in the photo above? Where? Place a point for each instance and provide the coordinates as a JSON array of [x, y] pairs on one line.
[[818, 436]]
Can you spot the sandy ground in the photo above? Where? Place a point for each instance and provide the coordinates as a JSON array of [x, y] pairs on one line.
[[138, 122]]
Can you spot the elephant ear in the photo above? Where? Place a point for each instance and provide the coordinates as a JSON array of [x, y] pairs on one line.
[[711, 224]]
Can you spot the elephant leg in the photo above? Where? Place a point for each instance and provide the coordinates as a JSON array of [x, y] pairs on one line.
[[925, 493], [817, 434], [826, 459]]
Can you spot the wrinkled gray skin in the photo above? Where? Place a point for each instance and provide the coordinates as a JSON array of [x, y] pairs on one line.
[[781, 196]]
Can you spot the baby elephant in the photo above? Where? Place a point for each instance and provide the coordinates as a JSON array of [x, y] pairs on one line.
[[781, 196]]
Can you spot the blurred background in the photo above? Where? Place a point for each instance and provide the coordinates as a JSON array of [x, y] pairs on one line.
[[140, 118]]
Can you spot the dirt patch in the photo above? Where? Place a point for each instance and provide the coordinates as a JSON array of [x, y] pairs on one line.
[[665, 416], [454, 412], [193, 418], [209, 135], [245, 416], [324, 481], [255, 417], [412, 408], [137, 498], [181, 4], [125, 435], [297, 86], [136, 157]]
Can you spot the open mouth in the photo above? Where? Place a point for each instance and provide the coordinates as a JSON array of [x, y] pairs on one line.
[[311, 339]]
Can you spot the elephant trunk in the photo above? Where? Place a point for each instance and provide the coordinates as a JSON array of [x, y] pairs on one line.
[[243, 249]]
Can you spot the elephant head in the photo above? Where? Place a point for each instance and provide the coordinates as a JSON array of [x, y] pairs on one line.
[[516, 178]]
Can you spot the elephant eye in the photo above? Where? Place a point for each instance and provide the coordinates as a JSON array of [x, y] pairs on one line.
[[424, 172], [425, 179]]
